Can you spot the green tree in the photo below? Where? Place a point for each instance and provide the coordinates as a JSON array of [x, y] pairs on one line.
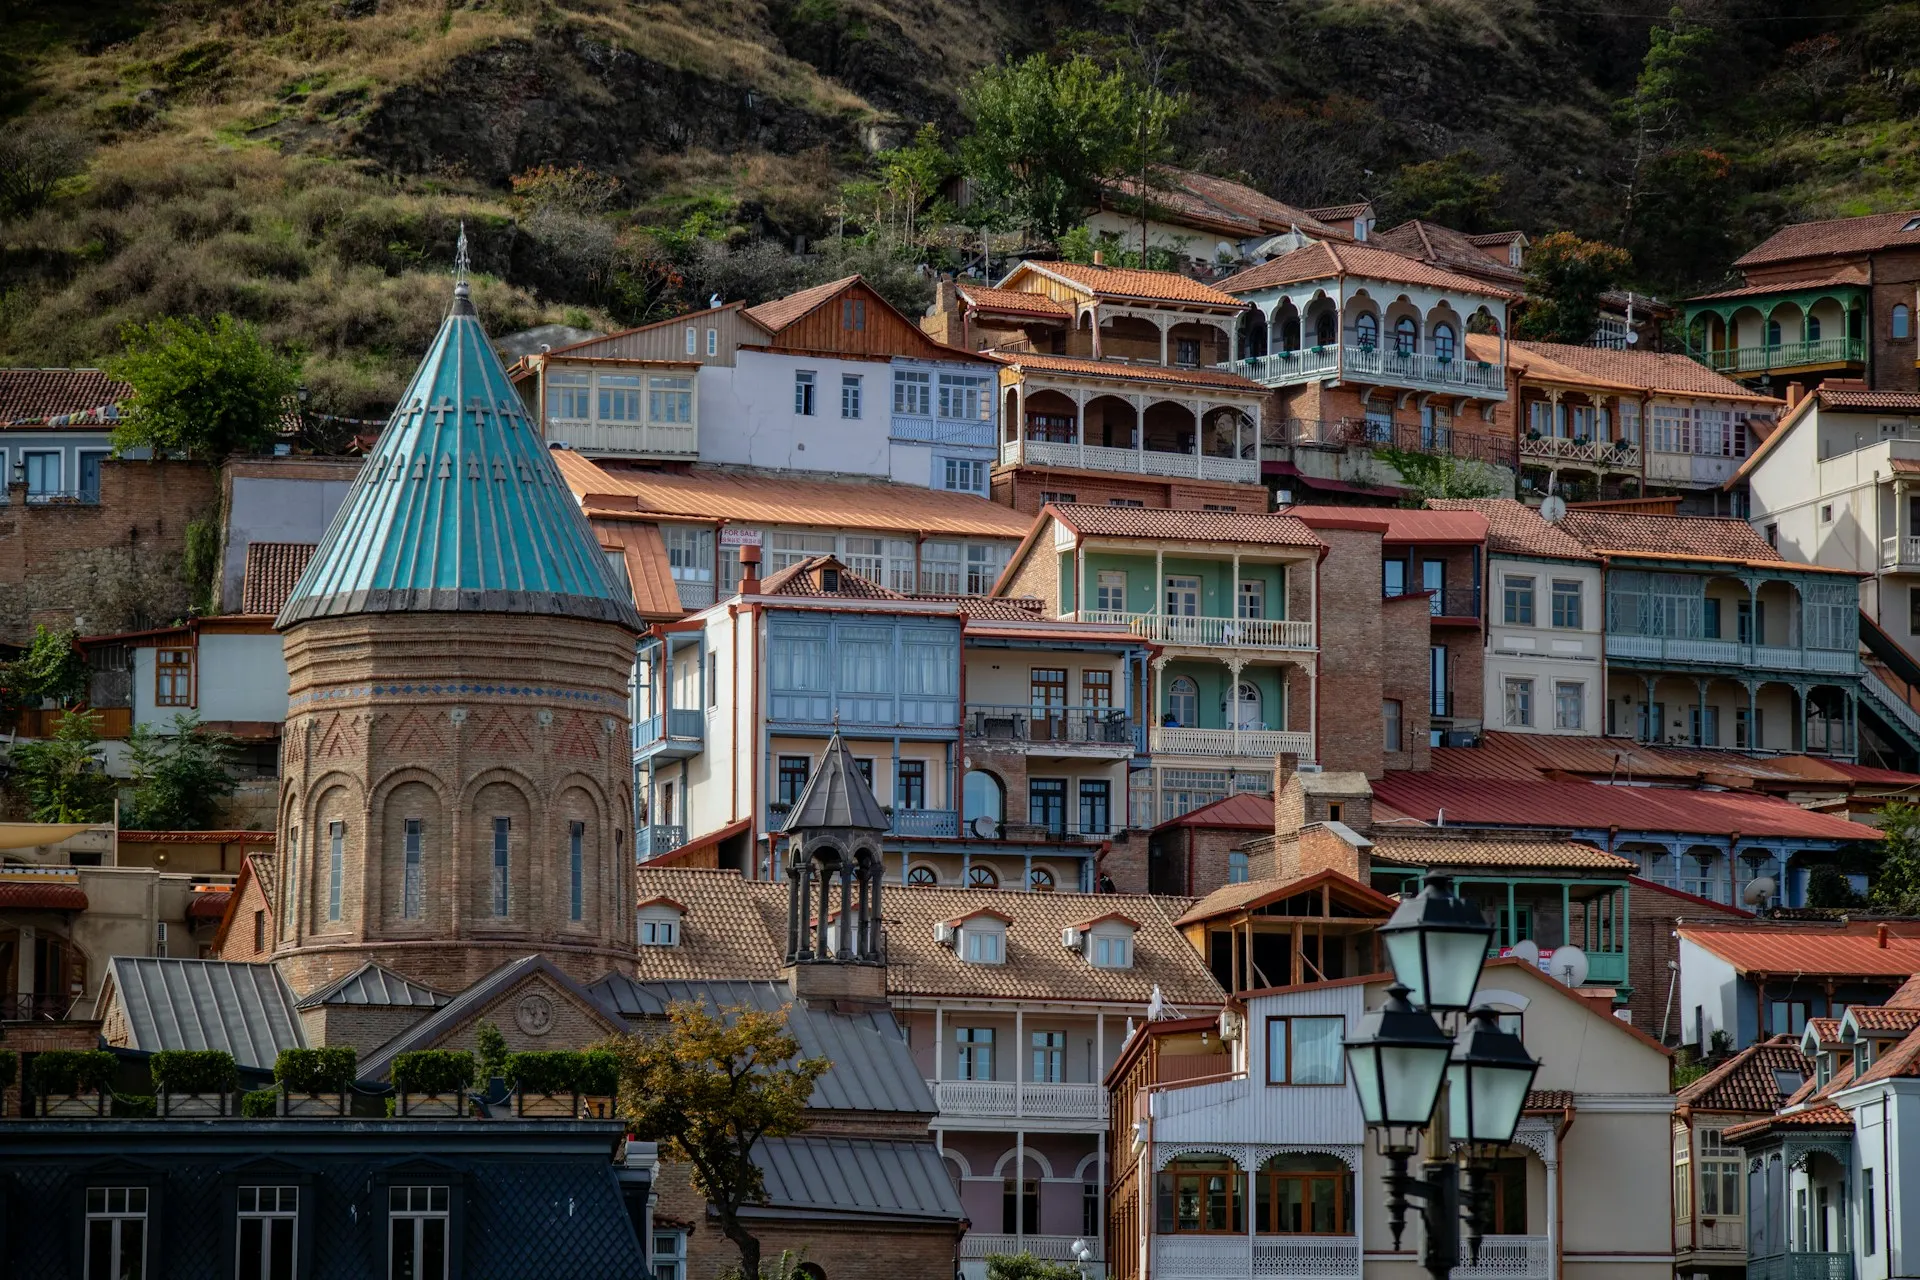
[[1048, 137], [1827, 886], [1454, 191], [1024, 1266], [1437, 476], [203, 390], [910, 176], [1566, 277], [1896, 885], [1677, 80], [180, 780], [708, 1088], [64, 778], [50, 668]]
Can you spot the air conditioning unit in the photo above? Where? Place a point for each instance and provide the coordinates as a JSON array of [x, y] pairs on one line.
[[1072, 939], [1231, 1025], [945, 934]]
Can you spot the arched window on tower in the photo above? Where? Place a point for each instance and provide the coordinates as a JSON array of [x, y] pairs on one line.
[[1406, 336], [1902, 321]]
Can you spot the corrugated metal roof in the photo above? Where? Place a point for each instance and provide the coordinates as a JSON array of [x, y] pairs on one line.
[[1520, 802], [245, 1009], [1242, 811], [428, 1031], [373, 984], [1404, 524], [1849, 951], [873, 1070], [649, 574], [459, 507], [858, 1175]]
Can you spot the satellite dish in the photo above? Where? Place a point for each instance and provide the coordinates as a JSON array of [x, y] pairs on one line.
[[984, 827], [1569, 964], [1633, 338], [1757, 891], [1526, 949], [1553, 509], [1156, 1004]]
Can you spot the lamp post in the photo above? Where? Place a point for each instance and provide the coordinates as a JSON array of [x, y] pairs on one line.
[[1413, 1075]]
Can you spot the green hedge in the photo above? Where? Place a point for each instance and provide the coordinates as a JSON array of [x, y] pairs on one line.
[[260, 1102], [9, 1067], [599, 1073], [544, 1072], [73, 1070], [432, 1070], [316, 1070], [193, 1071], [137, 1105]]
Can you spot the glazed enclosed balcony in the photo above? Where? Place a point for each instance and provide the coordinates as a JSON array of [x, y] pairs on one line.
[[1801, 1266], [637, 409], [1762, 329], [670, 671], [1099, 732], [1808, 623]]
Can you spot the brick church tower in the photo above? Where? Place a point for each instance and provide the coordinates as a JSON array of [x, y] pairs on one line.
[[456, 780]]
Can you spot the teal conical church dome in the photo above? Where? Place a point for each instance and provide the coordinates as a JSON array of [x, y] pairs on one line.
[[459, 508]]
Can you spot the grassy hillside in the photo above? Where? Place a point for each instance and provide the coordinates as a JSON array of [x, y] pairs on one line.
[[305, 163]]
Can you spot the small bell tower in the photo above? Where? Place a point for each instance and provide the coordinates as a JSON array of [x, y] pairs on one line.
[[835, 945]]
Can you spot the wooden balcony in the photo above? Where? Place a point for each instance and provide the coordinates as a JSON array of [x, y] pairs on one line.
[[647, 439], [1772, 357], [1263, 744], [1149, 462], [1607, 455], [1197, 632]]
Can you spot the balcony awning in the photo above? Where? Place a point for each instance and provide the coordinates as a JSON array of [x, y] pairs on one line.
[[42, 889], [27, 835]]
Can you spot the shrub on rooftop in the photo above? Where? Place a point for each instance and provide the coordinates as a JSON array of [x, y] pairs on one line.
[[9, 1067], [432, 1071], [599, 1074], [260, 1103], [193, 1071], [328, 1070], [73, 1071], [544, 1072]]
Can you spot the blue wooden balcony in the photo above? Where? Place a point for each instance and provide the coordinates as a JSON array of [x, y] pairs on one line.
[[654, 839], [675, 736], [938, 824], [1802, 1266]]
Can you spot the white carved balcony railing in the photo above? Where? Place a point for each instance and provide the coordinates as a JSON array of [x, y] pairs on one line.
[[590, 436], [1899, 551], [1508, 1258], [1265, 743], [1307, 1257], [1023, 1100], [1728, 653], [1049, 1248], [1235, 633], [1387, 365], [1606, 453], [1152, 462]]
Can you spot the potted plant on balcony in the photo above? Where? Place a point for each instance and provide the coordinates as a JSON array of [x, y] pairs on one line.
[[1533, 433], [598, 1083], [73, 1082], [432, 1082], [194, 1082], [545, 1083], [314, 1082]]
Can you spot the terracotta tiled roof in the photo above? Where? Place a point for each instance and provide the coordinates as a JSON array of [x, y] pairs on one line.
[[1127, 282], [34, 395], [1548, 1100], [1827, 280], [997, 608], [272, 569], [209, 903], [1338, 212], [1884, 1018], [1442, 847], [1824, 1116], [803, 579], [1128, 372], [1825, 1030], [736, 929], [1272, 529], [1326, 260], [1517, 529], [643, 552], [1590, 806], [1222, 204], [614, 493], [1747, 1081], [1443, 246], [1906, 997], [1869, 401], [1243, 811], [778, 314], [1833, 236], [1273, 215], [1646, 371], [988, 299], [1717, 537], [1810, 950], [1405, 526], [43, 891]]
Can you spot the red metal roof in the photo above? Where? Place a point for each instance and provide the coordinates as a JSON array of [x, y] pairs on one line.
[[1851, 950], [1242, 812], [209, 904], [1523, 802], [56, 895], [1404, 525]]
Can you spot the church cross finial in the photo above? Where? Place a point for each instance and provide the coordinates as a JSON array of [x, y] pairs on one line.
[[462, 262]]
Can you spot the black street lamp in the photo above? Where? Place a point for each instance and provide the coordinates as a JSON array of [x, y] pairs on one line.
[[1412, 1075]]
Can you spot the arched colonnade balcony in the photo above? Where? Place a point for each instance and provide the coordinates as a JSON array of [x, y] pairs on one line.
[[1788, 327], [1202, 424]]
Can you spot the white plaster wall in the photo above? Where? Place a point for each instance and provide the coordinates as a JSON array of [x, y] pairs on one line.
[[264, 509], [242, 677], [1709, 983], [747, 415], [1543, 652]]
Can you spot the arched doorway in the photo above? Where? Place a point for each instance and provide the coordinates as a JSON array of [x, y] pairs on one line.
[[1253, 333], [1247, 706], [1183, 702], [982, 796]]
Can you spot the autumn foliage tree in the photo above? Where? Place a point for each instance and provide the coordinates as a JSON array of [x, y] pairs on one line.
[[708, 1088]]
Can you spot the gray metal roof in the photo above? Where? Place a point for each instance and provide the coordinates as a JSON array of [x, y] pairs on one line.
[[837, 795], [429, 1030], [245, 1009], [373, 984], [873, 1070], [821, 1176]]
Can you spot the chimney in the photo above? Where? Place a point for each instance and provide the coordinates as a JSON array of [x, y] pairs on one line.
[[1880, 936], [1794, 395], [1099, 257], [749, 571]]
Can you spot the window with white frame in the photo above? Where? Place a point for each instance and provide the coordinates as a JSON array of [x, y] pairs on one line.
[[418, 1233], [849, 395], [965, 397], [984, 562], [983, 940], [264, 1245], [942, 568], [713, 342], [570, 396], [964, 475], [1519, 703], [789, 549], [693, 339], [619, 397], [913, 393], [974, 1053], [1569, 702], [1111, 947], [669, 1255], [659, 925], [1720, 1177], [1629, 420], [803, 393], [1252, 598], [689, 552], [669, 399], [1110, 590], [1682, 1176], [116, 1233]]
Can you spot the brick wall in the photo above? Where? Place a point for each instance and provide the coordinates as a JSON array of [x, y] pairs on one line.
[[1039, 575], [111, 566], [238, 944], [1406, 676], [1895, 275], [1315, 402], [1651, 915], [1021, 488], [1350, 652]]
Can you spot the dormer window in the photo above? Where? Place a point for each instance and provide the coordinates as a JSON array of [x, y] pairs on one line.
[[1107, 941], [983, 942], [659, 922]]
